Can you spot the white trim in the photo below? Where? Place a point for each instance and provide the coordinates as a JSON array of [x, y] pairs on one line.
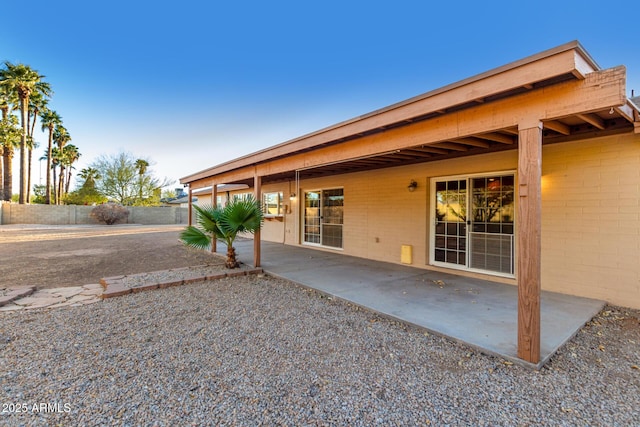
[[302, 206], [432, 222]]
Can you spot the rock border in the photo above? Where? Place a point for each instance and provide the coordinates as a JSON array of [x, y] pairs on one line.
[[115, 286], [15, 293]]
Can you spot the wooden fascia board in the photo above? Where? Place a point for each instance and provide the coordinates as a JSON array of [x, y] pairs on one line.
[[626, 111], [599, 90], [569, 58]]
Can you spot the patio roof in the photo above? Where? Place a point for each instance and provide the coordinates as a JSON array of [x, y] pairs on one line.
[[557, 69]]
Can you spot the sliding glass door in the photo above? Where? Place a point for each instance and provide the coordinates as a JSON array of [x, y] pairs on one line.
[[473, 224], [323, 217]]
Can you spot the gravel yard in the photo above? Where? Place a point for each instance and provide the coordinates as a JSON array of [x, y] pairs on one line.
[[256, 350]]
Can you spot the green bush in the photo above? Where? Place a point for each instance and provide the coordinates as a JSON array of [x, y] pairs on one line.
[[109, 213]]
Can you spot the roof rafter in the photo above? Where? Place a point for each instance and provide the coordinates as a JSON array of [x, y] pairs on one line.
[[558, 127], [593, 120]]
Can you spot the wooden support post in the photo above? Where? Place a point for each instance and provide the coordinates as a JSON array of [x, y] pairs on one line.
[[528, 240], [190, 205], [214, 200], [257, 191]]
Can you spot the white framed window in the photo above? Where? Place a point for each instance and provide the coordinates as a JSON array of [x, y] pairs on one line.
[[272, 204], [241, 196]]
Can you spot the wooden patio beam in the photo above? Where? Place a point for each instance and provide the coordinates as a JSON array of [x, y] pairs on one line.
[[593, 120], [474, 142], [257, 191], [497, 137], [431, 149], [528, 241], [558, 127], [214, 203], [451, 146], [190, 206]]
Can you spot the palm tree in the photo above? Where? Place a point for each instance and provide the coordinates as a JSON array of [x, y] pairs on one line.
[[23, 81], [49, 120], [37, 103], [90, 175], [31, 145], [9, 140], [141, 166], [60, 137], [224, 224], [55, 161], [71, 155]]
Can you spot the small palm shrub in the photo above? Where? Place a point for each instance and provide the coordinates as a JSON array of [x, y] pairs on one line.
[[224, 224], [109, 213]]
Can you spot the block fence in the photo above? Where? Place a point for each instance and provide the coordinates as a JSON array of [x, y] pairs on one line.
[[12, 213]]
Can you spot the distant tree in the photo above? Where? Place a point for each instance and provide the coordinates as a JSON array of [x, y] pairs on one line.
[[49, 120], [61, 137], [37, 103], [39, 194], [71, 156], [87, 194], [23, 81], [128, 180], [169, 194], [9, 140], [141, 166]]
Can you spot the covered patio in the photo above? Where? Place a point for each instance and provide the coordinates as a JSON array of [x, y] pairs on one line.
[[475, 312], [555, 98]]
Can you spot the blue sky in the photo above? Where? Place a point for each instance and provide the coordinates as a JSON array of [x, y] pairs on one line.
[[194, 83]]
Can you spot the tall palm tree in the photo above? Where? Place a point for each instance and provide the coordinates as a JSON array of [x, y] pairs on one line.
[[141, 166], [71, 155], [60, 137], [224, 223], [49, 120], [37, 103], [55, 161], [31, 145], [23, 81], [9, 140], [90, 175]]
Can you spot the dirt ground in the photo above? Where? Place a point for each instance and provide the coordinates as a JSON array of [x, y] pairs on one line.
[[56, 256]]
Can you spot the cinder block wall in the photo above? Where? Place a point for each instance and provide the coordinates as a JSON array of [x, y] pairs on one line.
[[12, 213]]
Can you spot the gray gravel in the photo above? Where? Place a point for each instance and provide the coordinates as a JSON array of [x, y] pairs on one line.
[[256, 350]]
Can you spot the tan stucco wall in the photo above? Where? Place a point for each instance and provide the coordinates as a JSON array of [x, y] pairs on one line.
[[591, 219], [591, 214]]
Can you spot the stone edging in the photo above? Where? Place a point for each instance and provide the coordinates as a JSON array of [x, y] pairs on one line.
[[115, 287], [13, 294]]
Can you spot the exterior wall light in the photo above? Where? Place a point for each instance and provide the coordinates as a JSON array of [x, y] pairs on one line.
[[412, 186], [292, 195]]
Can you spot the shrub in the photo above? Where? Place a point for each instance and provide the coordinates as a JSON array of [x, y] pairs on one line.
[[109, 213]]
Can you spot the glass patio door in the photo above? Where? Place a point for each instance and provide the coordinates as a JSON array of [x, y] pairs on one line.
[[473, 226], [323, 217]]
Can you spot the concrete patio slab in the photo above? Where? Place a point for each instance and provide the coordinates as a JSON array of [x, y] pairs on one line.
[[478, 313]]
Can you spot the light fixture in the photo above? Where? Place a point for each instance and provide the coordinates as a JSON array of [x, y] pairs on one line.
[[412, 186], [611, 111], [292, 195]]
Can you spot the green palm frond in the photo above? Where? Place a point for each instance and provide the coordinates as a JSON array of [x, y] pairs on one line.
[[223, 224], [241, 216], [207, 218], [195, 237]]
